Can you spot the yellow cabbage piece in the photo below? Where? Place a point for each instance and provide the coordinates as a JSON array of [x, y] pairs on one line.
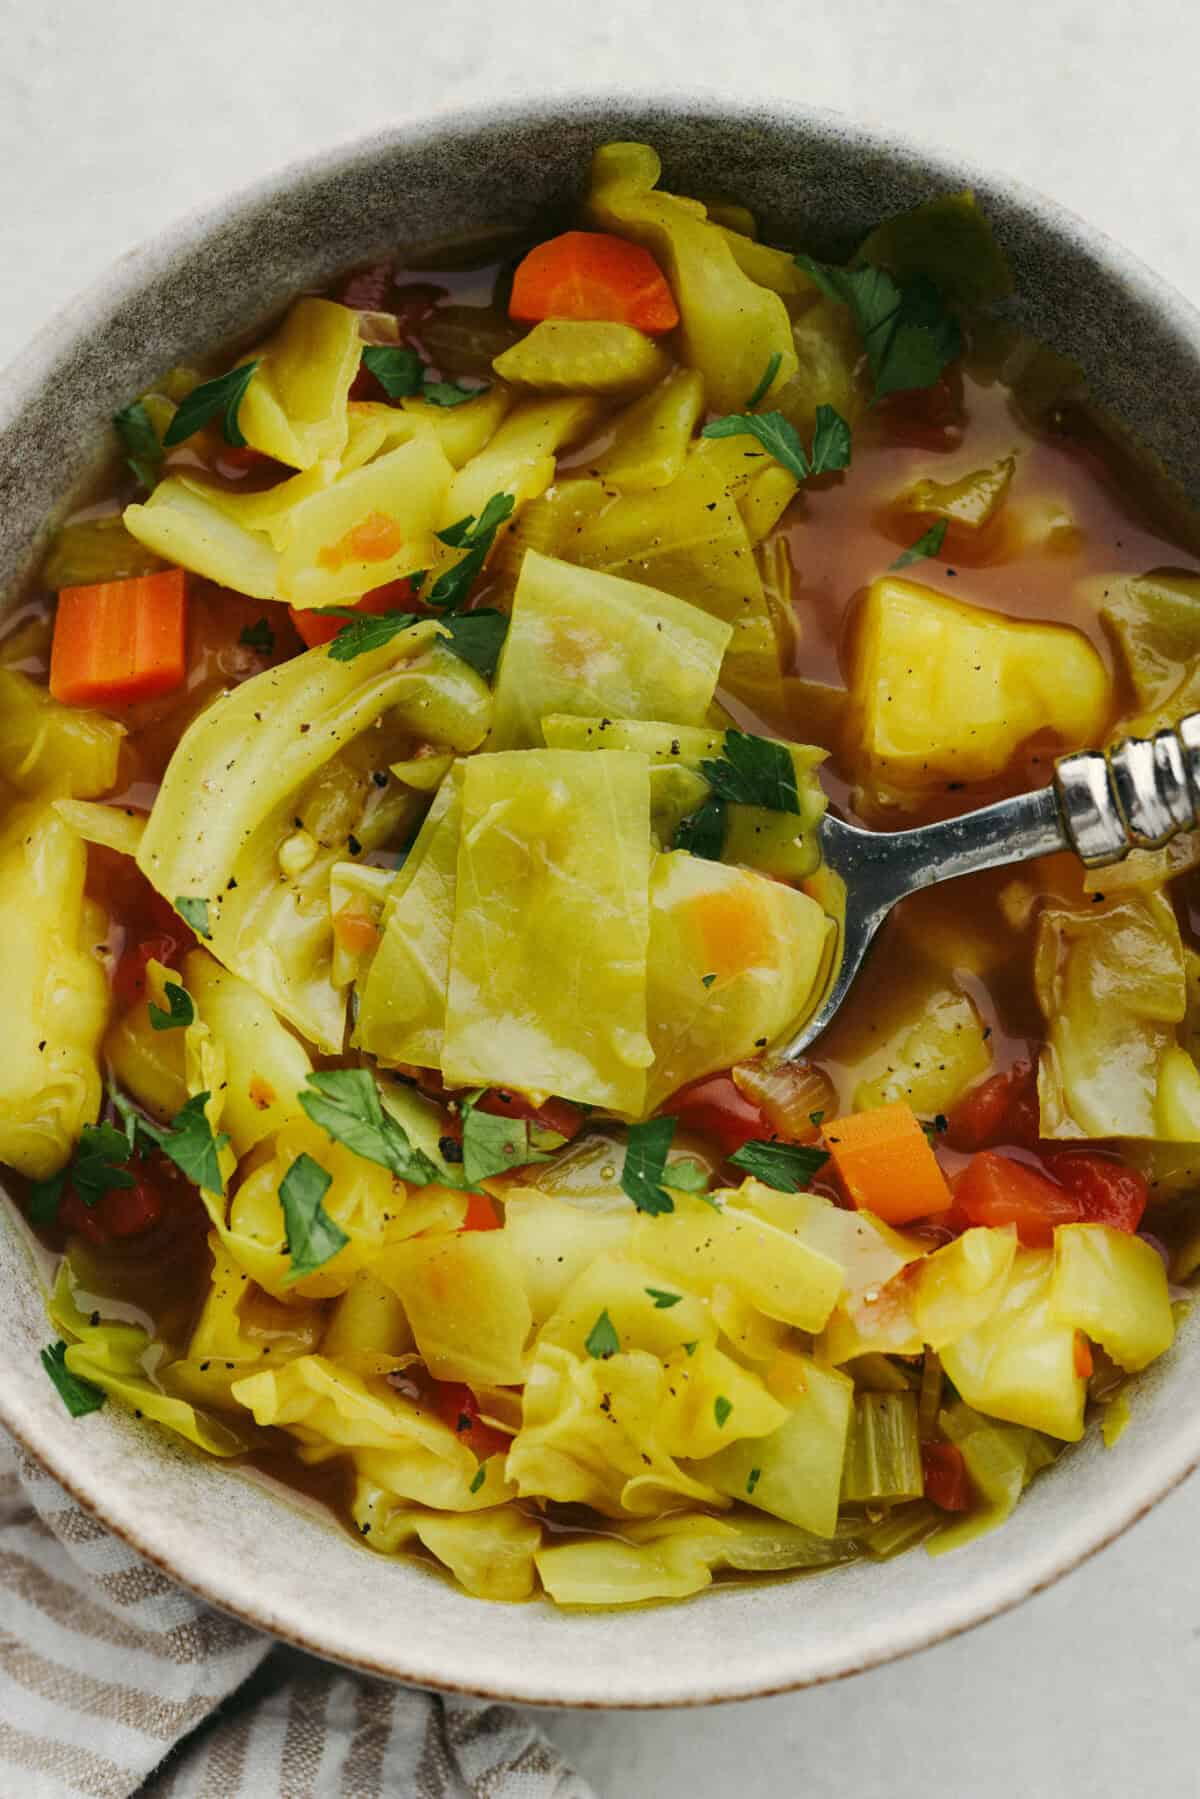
[[402, 1003], [689, 539], [368, 1204], [324, 558], [712, 1401], [149, 1064], [585, 643], [869, 1251], [294, 408], [266, 511], [921, 1040], [591, 356], [265, 1066], [1177, 1097], [360, 891], [237, 781], [116, 827], [970, 501], [1155, 619], [548, 957], [1019, 1364], [1001, 1460], [622, 1289], [555, 1241], [489, 1552], [941, 690], [520, 458], [765, 943], [48, 746], [463, 430], [123, 1360], [181, 523], [776, 1271], [831, 369], [368, 1330], [1110, 981], [465, 1302], [961, 1284], [53, 994], [797, 1470], [729, 326], [650, 438], [1113, 1287], [240, 1330], [590, 1435]]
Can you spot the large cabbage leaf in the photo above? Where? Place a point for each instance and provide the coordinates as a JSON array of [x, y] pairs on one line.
[[48, 747], [294, 407], [237, 783]]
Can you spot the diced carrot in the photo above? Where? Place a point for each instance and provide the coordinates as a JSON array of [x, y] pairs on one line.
[[481, 1214], [374, 539], [886, 1164], [355, 930], [317, 628], [1085, 1367], [592, 275], [120, 641]]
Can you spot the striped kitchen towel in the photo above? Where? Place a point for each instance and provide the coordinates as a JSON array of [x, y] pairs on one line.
[[114, 1682]]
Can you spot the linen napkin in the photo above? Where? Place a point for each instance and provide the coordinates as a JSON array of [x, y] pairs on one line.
[[114, 1682]]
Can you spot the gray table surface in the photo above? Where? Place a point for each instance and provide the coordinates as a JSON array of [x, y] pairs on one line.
[[116, 117]]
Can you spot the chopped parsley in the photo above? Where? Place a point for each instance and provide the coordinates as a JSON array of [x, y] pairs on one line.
[[312, 1236], [475, 636], [492, 1143], [721, 1410], [79, 1396], [258, 636], [478, 1478], [780, 439], [602, 1340], [221, 397], [662, 1300], [765, 380], [345, 1103], [907, 332], [475, 536], [139, 440], [706, 980], [478, 637], [928, 544], [191, 1145], [181, 1011], [754, 771], [703, 831], [787, 1167], [194, 912], [752, 1479], [645, 1165], [402, 375], [98, 1165]]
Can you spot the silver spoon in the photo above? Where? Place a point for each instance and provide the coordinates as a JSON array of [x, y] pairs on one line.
[[1101, 804]]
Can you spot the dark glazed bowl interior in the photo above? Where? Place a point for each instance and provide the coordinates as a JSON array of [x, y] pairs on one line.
[[809, 177]]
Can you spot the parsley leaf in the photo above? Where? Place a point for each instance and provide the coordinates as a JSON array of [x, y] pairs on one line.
[[97, 1166], [478, 637], [703, 831], [752, 1479], [928, 544], [478, 1478], [139, 439], [475, 536], [79, 1396], [645, 1165], [768, 375], [364, 631], [43, 1199], [182, 1010], [190, 1144], [345, 1103], [194, 912], [492, 1144], [602, 1340], [754, 772], [449, 393], [400, 373], [663, 1301], [706, 980], [312, 1236], [224, 396], [907, 333], [721, 1410], [475, 636], [258, 636], [831, 439], [785, 1166]]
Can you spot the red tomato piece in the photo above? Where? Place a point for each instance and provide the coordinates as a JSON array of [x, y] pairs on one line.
[[481, 1214], [552, 1115], [121, 1212], [947, 1482], [996, 1190], [1002, 1109], [1106, 1191], [714, 1107], [458, 1407], [129, 981]]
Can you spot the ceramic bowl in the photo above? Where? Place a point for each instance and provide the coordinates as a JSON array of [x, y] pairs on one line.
[[807, 176]]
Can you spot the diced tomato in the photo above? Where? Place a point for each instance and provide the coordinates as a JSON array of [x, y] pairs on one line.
[[1085, 1367], [1106, 1191], [129, 981], [393, 596], [121, 1212], [458, 1407], [929, 418], [947, 1482], [481, 1214], [1002, 1109], [552, 1115], [714, 1107]]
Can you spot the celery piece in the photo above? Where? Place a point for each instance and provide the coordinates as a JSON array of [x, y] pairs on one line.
[[883, 1451], [96, 549], [589, 356], [904, 1527]]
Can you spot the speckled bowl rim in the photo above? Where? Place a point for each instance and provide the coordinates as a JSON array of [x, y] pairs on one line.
[[197, 1565]]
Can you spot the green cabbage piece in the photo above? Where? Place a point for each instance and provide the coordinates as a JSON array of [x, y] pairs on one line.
[[1155, 619], [298, 742]]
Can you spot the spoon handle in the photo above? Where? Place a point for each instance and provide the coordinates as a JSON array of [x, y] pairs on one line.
[[1137, 795]]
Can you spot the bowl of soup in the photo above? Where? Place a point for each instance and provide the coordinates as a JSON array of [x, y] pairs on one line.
[[446, 589]]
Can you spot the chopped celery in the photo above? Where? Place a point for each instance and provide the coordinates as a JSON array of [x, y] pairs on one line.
[[970, 502], [589, 356], [651, 437], [1001, 1460], [96, 549], [883, 1451], [904, 1527]]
